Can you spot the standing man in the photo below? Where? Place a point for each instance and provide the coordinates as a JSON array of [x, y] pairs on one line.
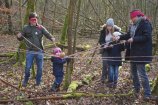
[[140, 45], [32, 35]]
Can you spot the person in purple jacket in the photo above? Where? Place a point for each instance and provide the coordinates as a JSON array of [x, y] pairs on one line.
[[58, 60]]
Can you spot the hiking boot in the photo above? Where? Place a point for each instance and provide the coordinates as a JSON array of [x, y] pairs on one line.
[[24, 84], [103, 81], [110, 85], [55, 87], [148, 98]]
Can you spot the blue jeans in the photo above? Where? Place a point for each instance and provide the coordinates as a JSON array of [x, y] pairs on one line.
[[139, 75], [58, 80], [113, 74], [30, 56]]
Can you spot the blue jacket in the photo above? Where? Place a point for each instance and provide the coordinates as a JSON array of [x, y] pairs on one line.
[[115, 51], [58, 65], [142, 44]]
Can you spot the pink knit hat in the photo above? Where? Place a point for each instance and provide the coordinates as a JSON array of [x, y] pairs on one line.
[[57, 51]]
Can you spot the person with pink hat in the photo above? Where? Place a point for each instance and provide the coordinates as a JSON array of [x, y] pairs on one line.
[[139, 38], [58, 60]]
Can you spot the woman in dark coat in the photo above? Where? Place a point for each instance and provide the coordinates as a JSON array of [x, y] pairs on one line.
[[104, 40]]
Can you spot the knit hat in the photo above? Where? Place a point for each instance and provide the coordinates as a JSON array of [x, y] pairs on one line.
[[110, 22], [116, 34], [57, 51], [135, 13]]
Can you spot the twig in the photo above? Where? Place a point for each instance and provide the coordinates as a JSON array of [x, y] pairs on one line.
[[95, 12], [18, 89], [9, 84]]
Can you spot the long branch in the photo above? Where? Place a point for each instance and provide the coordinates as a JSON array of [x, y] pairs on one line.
[[69, 96]]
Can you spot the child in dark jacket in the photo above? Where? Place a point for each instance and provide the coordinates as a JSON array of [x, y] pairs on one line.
[[114, 61], [58, 61]]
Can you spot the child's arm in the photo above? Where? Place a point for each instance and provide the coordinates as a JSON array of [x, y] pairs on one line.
[[122, 47], [59, 60]]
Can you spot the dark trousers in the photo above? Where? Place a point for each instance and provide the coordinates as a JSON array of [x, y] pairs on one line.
[[105, 66]]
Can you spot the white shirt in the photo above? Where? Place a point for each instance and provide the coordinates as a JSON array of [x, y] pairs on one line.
[[108, 38]]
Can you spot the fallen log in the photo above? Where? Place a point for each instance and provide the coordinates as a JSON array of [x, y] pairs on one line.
[[74, 85], [7, 54], [68, 96], [85, 81]]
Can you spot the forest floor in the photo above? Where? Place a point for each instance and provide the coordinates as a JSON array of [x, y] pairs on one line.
[[12, 74]]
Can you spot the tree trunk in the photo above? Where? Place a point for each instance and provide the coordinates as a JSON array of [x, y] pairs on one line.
[[30, 8], [77, 20], [64, 31], [20, 11], [54, 16], [43, 19], [10, 25], [69, 32]]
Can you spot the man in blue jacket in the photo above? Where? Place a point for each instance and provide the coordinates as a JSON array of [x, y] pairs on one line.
[[32, 35], [139, 38]]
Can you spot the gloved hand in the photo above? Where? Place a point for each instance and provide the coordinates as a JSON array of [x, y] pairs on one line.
[[68, 59]]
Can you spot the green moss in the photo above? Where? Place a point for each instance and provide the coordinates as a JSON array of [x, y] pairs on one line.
[[147, 67], [87, 79], [73, 86]]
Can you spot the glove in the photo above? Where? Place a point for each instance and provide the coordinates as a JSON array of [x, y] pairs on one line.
[[68, 59]]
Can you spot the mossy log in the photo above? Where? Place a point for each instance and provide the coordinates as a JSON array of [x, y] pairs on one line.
[[7, 54], [69, 96], [76, 84]]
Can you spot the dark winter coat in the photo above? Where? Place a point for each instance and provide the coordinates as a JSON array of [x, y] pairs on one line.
[[34, 35], [58, 65], [142, 42], [115, 51], [102, 38]]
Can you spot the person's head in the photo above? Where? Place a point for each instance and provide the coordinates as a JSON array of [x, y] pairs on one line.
[[116, 34], [58, 52], [33, 19], [135, 14], [110, 25]]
